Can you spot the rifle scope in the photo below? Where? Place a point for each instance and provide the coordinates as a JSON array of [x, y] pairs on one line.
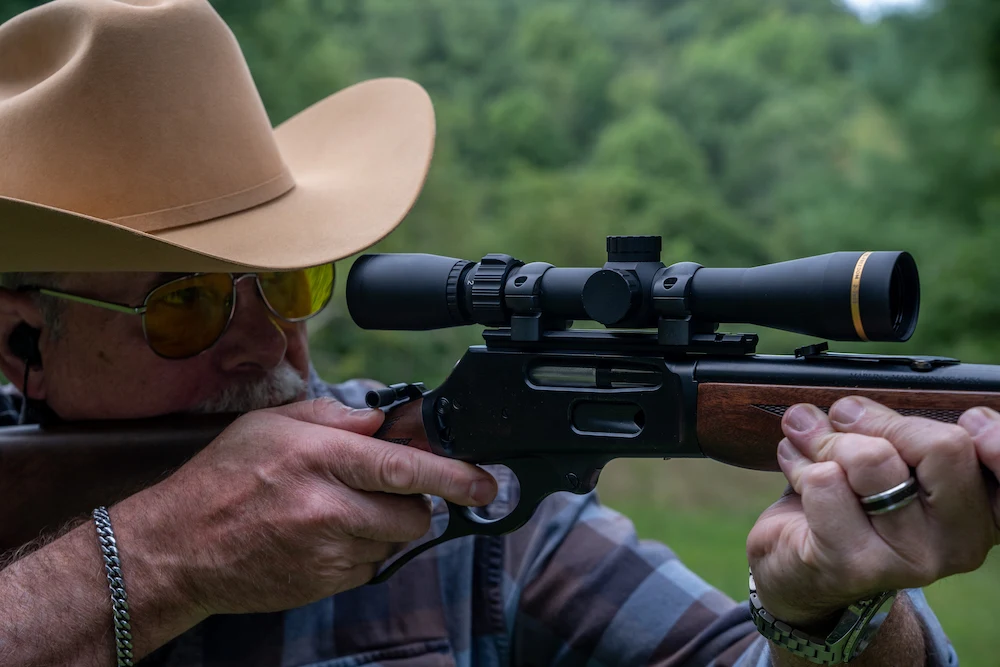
[[838, 296]]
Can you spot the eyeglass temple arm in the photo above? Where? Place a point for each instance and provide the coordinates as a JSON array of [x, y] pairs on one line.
[[117, 307]]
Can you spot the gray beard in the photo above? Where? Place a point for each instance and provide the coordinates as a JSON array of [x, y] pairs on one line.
[[280, 386]]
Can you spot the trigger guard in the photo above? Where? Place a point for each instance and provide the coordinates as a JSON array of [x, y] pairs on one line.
[[462, 522], [537, 480]]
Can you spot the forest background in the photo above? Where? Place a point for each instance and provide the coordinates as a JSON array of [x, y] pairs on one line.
[[743, 132]]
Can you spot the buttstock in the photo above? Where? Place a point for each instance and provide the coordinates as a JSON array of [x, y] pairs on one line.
[[740, 424], [52, 475]]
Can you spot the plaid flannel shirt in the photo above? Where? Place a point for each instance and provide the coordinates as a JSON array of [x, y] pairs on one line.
[[575, 586]]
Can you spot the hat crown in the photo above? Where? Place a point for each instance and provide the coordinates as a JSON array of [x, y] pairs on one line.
[[142, 112]]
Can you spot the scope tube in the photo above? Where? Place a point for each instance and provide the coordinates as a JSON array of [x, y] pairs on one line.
[[814, 295], [407, 291], [561, 295], [838, 296]]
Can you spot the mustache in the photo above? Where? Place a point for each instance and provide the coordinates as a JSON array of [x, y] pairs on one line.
[[282, 385]]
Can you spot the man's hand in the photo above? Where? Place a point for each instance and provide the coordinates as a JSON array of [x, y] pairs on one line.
[[287, 506], [983, 425], [815, 551]]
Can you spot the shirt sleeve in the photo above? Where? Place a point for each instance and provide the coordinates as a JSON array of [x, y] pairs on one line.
[[582, 589]]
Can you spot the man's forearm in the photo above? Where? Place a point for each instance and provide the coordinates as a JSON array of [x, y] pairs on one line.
[[56, 605], [900, 641]]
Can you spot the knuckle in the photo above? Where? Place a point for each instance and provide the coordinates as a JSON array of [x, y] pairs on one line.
[[828, 445], [419, 519], [954, 440], [325, 408], [869, 452], [989, 435], [324, 511], [396, 468], [822, 474], [929, 436], [250, 424], [316, 507], [335, 563]]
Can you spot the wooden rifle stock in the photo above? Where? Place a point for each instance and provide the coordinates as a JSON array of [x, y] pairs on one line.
[[54, 473], [740, 424]]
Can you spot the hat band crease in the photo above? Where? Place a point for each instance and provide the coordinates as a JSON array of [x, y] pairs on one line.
[[208, 209]]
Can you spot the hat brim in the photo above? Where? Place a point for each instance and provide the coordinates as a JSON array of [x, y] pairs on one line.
[[359, 159]]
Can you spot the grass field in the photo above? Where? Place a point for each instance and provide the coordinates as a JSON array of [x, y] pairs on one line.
[[704, 510]]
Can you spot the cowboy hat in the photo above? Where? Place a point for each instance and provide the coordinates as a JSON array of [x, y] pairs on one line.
[[132, 138]]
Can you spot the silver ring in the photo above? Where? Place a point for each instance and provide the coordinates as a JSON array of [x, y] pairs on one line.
[[898, 496]]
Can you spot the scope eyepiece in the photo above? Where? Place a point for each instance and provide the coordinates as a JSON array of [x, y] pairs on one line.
[[870, 296]]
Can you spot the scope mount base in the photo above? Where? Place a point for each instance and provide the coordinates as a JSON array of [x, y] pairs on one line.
[[623, 341]]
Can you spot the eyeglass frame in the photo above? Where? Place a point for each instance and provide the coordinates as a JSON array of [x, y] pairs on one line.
[[141, 310]]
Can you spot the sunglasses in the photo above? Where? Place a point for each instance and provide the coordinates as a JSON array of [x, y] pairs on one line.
[[186, 316]]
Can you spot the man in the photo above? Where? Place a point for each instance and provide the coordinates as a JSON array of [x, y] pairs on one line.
[[138, 171]]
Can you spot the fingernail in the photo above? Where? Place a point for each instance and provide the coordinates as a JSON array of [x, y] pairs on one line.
[[483, 492], [361, 412], [787, 452], [801, 418], [783, 453], [975, 421], [847, 411]]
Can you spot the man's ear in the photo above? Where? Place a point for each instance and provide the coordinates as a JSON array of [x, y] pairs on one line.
[[21, 326]]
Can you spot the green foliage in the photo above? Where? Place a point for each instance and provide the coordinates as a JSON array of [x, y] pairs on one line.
[[742, 132]]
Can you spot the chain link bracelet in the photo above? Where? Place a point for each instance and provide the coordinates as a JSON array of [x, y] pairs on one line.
[[119, 600]]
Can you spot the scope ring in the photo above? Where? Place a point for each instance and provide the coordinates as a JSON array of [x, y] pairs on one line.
[[488, 282]]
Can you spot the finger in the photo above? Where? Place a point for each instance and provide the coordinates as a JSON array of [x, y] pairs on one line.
[[808, 428], [943, 455], [387, 518], [872, 465], [368, 464], [983, 425], [331, 412], [363, 550], [792, 464], [840, 530], [357, 576]]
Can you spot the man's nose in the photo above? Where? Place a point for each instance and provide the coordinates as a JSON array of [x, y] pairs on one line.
[[254, 339]]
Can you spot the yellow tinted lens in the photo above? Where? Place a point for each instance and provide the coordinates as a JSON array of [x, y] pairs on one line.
[[187, 316], [296, 295]]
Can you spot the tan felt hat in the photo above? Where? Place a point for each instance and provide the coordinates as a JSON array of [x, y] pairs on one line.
[[132, 138]]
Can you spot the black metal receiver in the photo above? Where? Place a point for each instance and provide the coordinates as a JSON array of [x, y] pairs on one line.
[[555, 404]]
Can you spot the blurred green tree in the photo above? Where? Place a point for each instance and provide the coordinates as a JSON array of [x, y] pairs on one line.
[[741, 132]]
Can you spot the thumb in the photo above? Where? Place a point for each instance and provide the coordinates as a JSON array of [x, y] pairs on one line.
[[331, 412]]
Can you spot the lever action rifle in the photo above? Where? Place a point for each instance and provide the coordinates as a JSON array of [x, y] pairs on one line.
[[552, 403]]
